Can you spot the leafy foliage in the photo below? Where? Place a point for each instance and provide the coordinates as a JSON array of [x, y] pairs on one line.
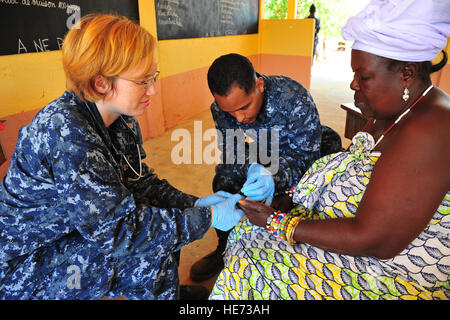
[[275, 9]]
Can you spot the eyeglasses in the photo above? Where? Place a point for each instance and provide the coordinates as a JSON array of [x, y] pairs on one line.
[[147, 83]]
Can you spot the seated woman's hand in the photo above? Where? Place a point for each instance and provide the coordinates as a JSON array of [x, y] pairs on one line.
[[283, 203], [256, 212]]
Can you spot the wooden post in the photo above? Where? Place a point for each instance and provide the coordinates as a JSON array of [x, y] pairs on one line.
[[292, 8]]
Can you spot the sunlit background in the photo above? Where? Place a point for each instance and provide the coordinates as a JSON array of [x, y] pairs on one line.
[[332, 13]]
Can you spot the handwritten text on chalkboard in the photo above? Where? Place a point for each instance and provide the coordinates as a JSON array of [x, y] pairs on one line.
[[40, 25], [178, 19]]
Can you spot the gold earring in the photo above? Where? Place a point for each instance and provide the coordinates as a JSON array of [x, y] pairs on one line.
[[405, 94]]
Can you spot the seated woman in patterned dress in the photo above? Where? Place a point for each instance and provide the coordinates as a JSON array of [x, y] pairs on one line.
[[374, 222]]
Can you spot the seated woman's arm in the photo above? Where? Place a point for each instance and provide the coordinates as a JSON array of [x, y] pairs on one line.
[[407, 186]]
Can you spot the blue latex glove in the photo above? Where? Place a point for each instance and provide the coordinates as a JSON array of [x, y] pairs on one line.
[[212, 199], [259, 185], [226, 214]]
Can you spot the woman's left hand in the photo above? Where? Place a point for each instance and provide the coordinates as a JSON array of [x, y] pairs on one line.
[[256, 212]]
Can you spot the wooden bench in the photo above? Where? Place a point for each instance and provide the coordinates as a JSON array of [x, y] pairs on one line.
[[354, 120]]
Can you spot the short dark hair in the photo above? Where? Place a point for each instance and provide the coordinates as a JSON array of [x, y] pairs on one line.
[[229, 69]]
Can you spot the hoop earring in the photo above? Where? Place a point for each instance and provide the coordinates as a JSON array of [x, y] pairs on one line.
[[405, 94]]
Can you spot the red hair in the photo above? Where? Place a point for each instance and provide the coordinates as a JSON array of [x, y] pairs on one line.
[[108, 45]]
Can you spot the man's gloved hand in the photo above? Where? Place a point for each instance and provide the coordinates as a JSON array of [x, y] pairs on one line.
[[212, 199], [226, 214], [259, 185]]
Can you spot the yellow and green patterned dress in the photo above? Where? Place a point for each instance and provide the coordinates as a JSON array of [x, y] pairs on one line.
[[262, 267]]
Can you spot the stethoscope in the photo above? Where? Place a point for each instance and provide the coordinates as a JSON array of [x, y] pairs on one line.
[[139, 175], [110, 144]]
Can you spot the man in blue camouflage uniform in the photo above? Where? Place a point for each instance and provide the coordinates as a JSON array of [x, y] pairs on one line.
[[260, 108], [81, 217]]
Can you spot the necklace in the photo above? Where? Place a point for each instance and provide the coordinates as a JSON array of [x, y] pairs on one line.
[[403, 114], [248, 139]]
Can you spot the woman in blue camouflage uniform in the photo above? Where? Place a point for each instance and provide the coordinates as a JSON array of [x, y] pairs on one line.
[[81, 217]]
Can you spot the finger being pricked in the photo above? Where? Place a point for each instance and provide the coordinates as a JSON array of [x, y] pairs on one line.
[[256, 212], [250, 205]]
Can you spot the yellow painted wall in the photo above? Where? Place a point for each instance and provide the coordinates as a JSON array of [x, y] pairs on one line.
[[29, 81], [286, 48], [288, 37], [177, 56]]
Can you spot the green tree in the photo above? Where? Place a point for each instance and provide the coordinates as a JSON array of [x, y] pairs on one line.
[[275, 9]]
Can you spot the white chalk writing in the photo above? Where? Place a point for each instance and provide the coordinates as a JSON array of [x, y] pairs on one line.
[[39, 45], [167, 13], [38, 3]]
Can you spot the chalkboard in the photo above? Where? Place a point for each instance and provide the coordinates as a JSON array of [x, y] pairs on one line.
[[39, 25], [179, 19]]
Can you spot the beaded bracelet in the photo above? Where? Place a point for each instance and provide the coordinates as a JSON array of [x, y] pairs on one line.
[[273, 222], [283, 225], [287, 228], [269, 220], [290, 192], [275, 225]]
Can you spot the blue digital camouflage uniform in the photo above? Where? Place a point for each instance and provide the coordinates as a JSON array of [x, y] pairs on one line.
[[73, 223], [288, 108]]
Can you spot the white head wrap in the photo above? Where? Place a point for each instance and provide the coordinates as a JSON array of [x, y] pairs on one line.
[[405, 30]]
